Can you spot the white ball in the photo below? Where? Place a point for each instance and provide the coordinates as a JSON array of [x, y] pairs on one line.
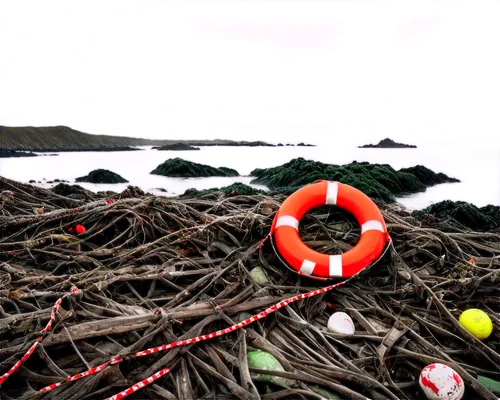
[[340, 322], [438, 381]]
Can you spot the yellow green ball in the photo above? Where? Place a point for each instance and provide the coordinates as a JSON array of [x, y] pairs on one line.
[[477, 322]]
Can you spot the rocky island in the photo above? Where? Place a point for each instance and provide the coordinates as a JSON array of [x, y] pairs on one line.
[[4, 153], [388, 144], [183, 145], [179, 146], [101, 176], [301, 144], [219, 142], [177, 167]]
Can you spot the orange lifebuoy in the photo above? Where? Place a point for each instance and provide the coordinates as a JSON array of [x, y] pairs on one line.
[[304, 260]]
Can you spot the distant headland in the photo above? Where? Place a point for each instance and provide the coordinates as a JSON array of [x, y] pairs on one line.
[[63, 138]]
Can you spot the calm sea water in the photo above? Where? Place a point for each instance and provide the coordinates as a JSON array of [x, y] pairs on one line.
[[478, 169]]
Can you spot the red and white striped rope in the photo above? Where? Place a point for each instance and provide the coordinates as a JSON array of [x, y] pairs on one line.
[[139, 385], [152, 378], [74, 290], [118, 360], [232, 328], [55, 310], [196, 339]]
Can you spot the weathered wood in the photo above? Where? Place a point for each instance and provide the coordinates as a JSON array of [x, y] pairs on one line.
[[153, 270]]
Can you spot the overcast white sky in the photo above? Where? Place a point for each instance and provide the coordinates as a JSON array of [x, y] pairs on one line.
[[235, 55]]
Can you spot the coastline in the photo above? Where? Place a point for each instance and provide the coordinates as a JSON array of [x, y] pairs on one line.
[[43, 139]]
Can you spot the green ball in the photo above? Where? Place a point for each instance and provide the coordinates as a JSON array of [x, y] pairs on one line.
[[263, 360]]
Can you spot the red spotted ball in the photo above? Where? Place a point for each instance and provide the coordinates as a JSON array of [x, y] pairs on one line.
[[440, 382]]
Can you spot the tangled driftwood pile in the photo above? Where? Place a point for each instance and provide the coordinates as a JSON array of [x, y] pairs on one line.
[[153, 270]]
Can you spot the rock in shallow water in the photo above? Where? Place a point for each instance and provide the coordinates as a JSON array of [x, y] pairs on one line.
[[101, 176], [475, 218], [178, 147], [388, 144], [379, 181], [236, 189], [72, 191], [177, 167]]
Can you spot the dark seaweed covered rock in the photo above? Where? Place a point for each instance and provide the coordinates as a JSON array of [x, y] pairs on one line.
[[177, 167], [379, 181], [178, 147], [427, 176], [388, 144], [236, 189], [72, 191], [229, 171], [131, 192], [491, 211], [478, 219], [101, 176], [106, 193]]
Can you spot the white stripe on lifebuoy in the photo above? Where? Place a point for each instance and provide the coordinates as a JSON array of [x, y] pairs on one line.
[[372, 225], [287, 220], [335, 265], [307, 267], [331, 193]]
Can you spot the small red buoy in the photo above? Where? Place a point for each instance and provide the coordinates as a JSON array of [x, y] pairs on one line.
[[78, 229]]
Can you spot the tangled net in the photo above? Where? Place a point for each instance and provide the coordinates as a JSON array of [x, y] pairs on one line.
[[152, 270]]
